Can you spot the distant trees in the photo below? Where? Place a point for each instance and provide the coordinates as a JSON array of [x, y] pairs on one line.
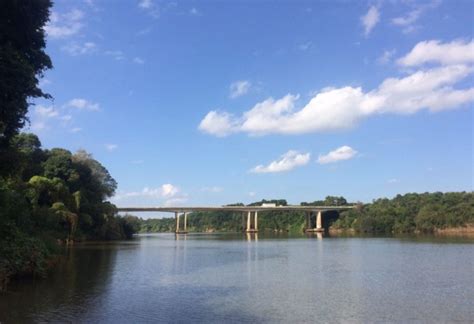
[[328, 201], [403, 214], [411, 212]]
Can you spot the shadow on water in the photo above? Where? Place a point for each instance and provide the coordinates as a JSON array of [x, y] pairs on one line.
[[77, 280]]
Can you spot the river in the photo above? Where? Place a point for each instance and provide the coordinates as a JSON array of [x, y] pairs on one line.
[[223, 278]]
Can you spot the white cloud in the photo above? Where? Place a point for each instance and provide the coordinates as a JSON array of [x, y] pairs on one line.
[[83, 104], [175, 201], [43, 116], [370, 19], [239, 88], [76, 49], [150, 7], [64, 25], [66, 118], [38, 126], [433, 51], [117, 55], [44, 83], [46, 112], [194, 12], [305, 46], [386, 57], [287, 162], [408, 21], [394, 180], [334, 109], [145, 4], [252, 193], [111, 147], [340, 154], [138, 60], [168, 193], [410, 18], [218, 123], [213, 189], [75, 130]]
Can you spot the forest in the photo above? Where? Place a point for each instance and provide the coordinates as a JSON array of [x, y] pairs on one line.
[[409, 213], [49, 198]]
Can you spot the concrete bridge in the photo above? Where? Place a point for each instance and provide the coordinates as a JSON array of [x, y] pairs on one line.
[[249, 214]]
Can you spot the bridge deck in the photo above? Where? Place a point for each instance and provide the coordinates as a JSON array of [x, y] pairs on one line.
[[232, 208]]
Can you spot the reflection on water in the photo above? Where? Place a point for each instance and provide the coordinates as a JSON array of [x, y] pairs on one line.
[[253, 278]]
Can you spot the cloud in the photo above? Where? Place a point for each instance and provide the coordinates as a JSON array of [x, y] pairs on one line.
[[64, 25], [168, 193], [213, 189], [76, 130], [138, 60], [145, 4], [111, 147], [194, 12], [335, 109], [83, 104], [433, 51], [408, 21], [394, 180], [386, 57], [43, 116], [287, 162], [239, 88], [75, 49], [340, 154], [150, 7], [117, 55], [219, 124], [305, 46], [46, 112], [370, 19], [44, 83]]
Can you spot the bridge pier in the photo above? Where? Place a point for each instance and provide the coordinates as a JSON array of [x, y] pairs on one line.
[[318, 223], [252, 227], [178, 228]]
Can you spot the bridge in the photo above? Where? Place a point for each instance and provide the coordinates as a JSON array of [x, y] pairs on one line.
[[249, 214]]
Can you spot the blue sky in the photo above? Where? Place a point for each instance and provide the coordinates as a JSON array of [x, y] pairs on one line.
[[214, 102]]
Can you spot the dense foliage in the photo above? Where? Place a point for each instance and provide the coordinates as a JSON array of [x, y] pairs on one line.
[[46, 196], [412, 212], [49, 197], [403, 214], [22, 61]]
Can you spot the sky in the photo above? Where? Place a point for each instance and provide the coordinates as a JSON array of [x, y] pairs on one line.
[[215, 102]]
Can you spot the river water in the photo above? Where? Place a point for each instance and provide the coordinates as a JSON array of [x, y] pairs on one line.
[[224, 278]]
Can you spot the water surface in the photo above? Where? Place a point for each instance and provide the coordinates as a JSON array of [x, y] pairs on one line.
[[240, 278]]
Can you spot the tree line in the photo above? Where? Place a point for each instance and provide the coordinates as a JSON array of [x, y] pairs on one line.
[[47, 197], [409, 213]]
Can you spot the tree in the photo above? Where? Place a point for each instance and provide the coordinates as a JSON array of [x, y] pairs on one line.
[[22, 61]]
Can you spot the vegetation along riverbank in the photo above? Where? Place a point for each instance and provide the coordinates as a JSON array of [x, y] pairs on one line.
[[451, 212]]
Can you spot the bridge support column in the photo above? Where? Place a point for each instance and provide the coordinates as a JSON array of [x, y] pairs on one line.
[[185, 221], [252, 228], [176, 217], [319, 222], [178, 228], [247, 229], [255, 222]]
